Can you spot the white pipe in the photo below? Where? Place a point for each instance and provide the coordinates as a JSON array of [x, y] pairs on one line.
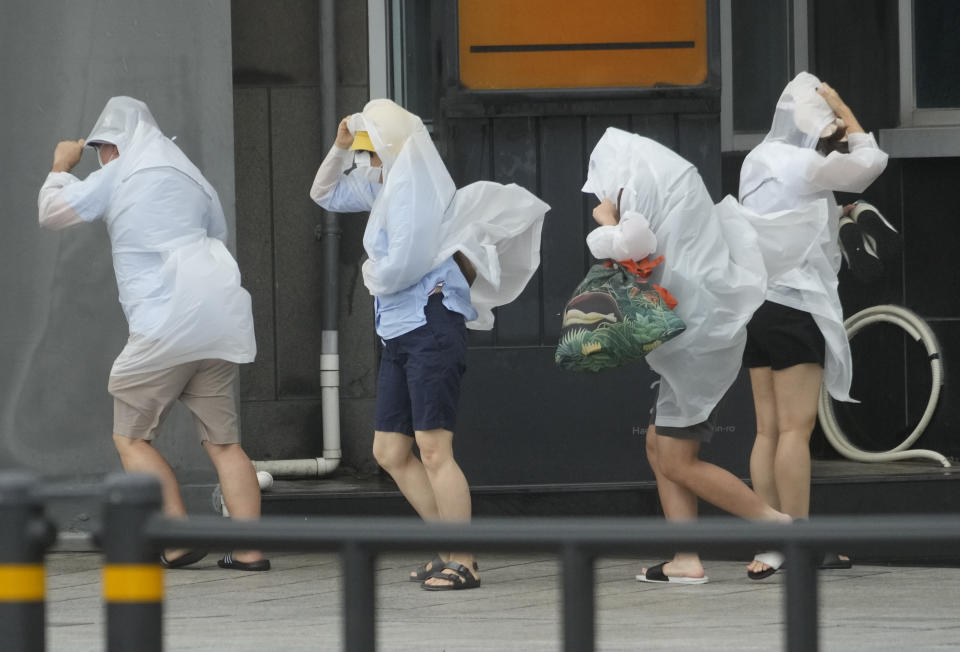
[[329, 354], [313, 467], [920, 332]]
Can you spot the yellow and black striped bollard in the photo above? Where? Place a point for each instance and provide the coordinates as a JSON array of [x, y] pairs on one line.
[[132, 575], [24, 538]]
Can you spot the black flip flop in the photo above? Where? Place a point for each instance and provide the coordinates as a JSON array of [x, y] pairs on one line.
[[774, 560], [833, 561], [656, 575], [187, 558], [229, 562]]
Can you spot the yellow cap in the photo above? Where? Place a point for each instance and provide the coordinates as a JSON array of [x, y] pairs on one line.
[[361, 140]]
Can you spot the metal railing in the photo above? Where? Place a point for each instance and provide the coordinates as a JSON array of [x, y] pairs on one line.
[[133, 531]]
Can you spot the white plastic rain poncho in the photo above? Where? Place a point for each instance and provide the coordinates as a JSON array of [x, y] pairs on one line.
[[786, 172], [419, 219], [179, 286], [712, 266]]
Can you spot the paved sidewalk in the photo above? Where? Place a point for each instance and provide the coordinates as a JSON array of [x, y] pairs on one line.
[[296, 606]]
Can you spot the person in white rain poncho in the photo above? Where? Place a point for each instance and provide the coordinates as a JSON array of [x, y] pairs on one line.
[[654, 202], [423, 239], [796, 339], [190, 321]]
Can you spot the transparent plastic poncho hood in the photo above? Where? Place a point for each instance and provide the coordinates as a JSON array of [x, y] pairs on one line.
[[419, 219], [196, 308]]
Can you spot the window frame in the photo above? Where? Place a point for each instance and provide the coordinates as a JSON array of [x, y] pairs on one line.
[[910, 114], [922, 133], [378, 49], [799, 33]]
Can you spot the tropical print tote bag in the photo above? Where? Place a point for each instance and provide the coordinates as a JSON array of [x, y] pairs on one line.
[[616, 317]]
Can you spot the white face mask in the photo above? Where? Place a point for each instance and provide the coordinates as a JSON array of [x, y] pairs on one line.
[[371, 173], [99, 159]]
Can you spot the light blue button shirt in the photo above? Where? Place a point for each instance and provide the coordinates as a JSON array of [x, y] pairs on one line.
[[403, 311]]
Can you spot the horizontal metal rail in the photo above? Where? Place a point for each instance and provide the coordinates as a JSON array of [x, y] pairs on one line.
[[859, 534], [577, 542], [134, 531]]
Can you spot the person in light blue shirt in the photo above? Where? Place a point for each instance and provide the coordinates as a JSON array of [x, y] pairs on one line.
[[421, 312]]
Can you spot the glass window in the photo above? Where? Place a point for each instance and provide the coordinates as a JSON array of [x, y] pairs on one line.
[[412, 69], [761, 61], [936, 37]]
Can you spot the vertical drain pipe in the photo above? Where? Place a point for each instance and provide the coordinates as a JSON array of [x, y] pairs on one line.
[[328, 232], [330, 235]]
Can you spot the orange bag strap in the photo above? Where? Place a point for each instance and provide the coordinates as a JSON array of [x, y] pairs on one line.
[[639, 268], [642, 269]]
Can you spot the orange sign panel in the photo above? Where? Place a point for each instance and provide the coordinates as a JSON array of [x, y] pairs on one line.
[[577, 43]]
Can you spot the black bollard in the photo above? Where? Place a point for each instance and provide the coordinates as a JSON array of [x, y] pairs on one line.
[[24, 538], [579, 606], [359, 600], [801, 599], [132, 575]]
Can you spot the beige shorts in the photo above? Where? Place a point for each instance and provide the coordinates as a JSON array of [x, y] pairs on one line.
[[141, 402]]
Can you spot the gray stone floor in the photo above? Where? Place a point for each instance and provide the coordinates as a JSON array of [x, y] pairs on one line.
[[297, 607]]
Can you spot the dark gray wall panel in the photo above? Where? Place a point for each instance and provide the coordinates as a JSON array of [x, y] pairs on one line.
[[930, 236], [277, 430], [278, 57], [62, 323], [351, 18], [661, 127], [255, 234], [563, 250], [274, 43], [468, 151], [698, 141], [515, 161], [547, 425], [297, 253], [356, 421]]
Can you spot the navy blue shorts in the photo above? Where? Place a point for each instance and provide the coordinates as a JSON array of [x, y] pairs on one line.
[[418, 387]]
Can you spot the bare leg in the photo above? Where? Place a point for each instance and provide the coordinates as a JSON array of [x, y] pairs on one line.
[[139, 456], [765, 446], [764, 453], [794, 408], [394, 452], [679, 504], [238, 482], [796, 389], [679, 462], [449, 485]]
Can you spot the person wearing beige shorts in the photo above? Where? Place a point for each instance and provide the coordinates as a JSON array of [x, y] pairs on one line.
[[141, 402], [190, 320]]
